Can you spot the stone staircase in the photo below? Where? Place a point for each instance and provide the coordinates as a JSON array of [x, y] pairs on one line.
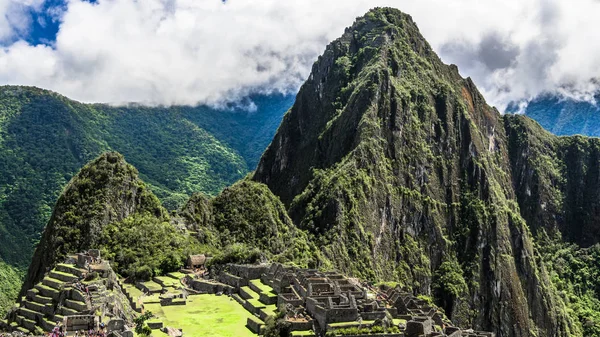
[[133, 293], [260, 300], [49, 301]]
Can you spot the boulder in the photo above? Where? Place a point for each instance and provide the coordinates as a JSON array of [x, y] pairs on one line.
[[172, 332], [115, 324]]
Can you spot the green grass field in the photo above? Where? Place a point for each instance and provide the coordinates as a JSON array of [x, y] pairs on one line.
[[152, 286], [168, 281], [265, 289], [205, 315]]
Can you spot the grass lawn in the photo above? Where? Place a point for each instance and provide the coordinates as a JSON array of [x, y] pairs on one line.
[[151, 299], [265, 289], [152, 286], [205, 315], [349, 324], [271, 309], [303, 333], [177, 275], [168, 282], [397, 321]]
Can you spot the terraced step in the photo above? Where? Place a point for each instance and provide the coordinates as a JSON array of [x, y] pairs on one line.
[[52, 283], [76, 305], [32, 292], [47, 291], [248, 293], [22, 329], [33, 306], [62, 276], [64, 311], [152, 286], [58, 318], [166, 281], [38, 298], [26, 323], [176, 275], [38, 331], [70, 269], [48, 325]]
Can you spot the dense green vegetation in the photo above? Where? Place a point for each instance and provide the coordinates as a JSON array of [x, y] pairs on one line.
[[10, 283], [246, 218], [46, 138], [575, 272], [142, 246]]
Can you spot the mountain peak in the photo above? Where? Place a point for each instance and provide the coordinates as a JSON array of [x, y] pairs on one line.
[[386, 157], [106, 190]]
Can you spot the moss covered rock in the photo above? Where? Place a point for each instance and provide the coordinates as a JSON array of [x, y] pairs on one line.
[[399, 170]]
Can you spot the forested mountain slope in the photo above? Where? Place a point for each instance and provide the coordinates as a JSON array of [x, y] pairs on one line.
[[45, 138], [399, 170]]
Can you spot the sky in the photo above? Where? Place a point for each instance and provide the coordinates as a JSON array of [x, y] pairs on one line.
[[215, 52]]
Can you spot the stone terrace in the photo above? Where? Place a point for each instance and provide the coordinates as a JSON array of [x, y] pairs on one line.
[[61, 297], [318, 303]]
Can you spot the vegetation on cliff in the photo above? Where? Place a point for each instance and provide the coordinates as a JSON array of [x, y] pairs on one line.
[[45, 138], [10, 283], [575, 272], [244, 217], [399, 170]]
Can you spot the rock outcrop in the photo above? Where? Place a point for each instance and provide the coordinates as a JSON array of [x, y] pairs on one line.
[[399, 170]]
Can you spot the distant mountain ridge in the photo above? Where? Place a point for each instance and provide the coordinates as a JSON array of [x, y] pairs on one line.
[[564, 116], [45, 138]]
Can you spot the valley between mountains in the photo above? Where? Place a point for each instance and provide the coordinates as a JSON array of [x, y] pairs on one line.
[[389, 167]]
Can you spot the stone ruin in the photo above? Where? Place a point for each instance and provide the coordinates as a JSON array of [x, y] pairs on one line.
[[65, 298], [327, 301]]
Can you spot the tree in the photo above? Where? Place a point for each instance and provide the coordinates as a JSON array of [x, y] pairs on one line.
[[141, 328]]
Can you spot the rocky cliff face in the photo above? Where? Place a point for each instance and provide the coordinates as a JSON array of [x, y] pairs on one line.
[[557, 180], [399, 170], [106, 190]]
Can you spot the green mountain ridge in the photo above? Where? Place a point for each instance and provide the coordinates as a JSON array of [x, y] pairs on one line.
[[399, 170], [45, 138], [389, 167]]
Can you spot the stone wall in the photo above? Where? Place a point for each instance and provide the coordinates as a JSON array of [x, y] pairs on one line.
[[249, 272], [290, 298], [232, 280], [301, 326], [210, 287], [373, 315], [253, 325]]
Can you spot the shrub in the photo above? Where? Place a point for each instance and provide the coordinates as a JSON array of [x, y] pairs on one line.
[[143, 273]]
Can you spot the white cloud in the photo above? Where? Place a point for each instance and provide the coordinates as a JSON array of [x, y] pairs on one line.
[[15, 18], [206, 51]]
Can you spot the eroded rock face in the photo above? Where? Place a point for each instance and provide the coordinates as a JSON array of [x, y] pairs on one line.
[[396, 166]]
